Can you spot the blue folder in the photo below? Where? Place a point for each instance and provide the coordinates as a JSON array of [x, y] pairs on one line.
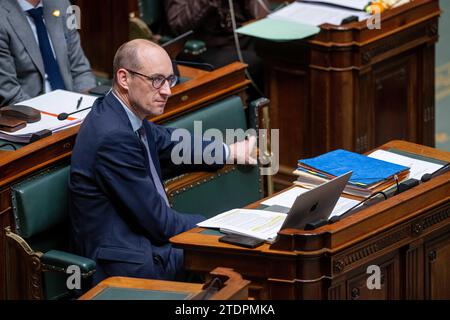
[[366, 170]]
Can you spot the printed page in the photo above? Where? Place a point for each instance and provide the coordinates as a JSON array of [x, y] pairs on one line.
[[58, 101], [51, 104], [287, 198], [417, 167], [255, 223], [315, 14], [353, 4]]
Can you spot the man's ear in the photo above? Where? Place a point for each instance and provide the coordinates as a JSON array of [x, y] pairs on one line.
[[122, 78]]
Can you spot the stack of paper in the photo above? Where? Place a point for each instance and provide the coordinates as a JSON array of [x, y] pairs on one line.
[[50, 105], [351, 4], [259, 224], [369, 174], [316, 14]]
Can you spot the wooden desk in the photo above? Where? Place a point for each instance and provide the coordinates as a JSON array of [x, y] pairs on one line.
[[230, 286], [408, 236], [203, 89], [354, 88]]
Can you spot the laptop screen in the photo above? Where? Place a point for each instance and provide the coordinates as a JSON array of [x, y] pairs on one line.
[[316, 204]]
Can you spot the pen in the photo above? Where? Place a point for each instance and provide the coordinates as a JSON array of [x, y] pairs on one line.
[[79, 102]]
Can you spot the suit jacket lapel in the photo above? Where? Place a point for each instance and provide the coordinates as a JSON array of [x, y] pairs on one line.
[[21, 27], [56, 33], [118, 109]]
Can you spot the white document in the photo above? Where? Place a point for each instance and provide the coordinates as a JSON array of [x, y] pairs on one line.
[[315, 14], [342, 206], [417, 167], [352, 4], [51, 104], [264, 224], [59, 101], [259, 224], [287, 198]]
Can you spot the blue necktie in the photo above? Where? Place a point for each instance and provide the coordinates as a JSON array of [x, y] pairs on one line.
[[50, 64], [156, 180]]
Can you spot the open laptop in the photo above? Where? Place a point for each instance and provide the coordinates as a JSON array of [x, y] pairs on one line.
[[316, 204]]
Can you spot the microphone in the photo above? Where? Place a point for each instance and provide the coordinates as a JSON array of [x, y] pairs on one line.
[[63, 116], [427, 176], [372, 199]]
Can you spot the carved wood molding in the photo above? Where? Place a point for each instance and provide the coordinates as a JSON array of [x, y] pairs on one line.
[[390, 239], [414, 273], [336, 293], [183, 183], [397, 41], [20, 252]]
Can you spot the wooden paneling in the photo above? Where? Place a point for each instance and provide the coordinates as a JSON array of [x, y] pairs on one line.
[[104, 28], [395, 108], [354, 88], [414, 271], [437, 276]]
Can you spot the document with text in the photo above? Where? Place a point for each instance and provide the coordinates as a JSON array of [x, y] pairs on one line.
[[259, 224], [417, 167]]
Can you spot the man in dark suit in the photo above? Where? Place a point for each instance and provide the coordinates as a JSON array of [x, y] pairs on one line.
[[120, 214], [38, 51]]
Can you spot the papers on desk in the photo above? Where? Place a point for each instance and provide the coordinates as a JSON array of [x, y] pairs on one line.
[[351, 4], [315, 14], [417, 167], [300, 20], [51, 104], [259, 224], [265, 224], [287, 198], [278, 30]]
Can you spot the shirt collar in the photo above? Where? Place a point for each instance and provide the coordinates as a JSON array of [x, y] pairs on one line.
[[136, 123], [25, 5]]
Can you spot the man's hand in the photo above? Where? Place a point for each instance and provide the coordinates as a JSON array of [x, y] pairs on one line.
[[241, 152]]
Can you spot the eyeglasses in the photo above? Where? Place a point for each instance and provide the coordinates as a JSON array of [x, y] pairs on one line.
[[158, 79]]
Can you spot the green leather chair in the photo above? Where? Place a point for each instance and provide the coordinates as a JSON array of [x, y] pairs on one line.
[[37, 250]]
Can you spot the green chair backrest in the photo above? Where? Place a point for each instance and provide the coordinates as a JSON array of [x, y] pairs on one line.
[[234, 189], [41, 202], [40, 207]]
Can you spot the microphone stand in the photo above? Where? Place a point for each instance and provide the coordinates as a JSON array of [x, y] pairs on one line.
[[63, 116]]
